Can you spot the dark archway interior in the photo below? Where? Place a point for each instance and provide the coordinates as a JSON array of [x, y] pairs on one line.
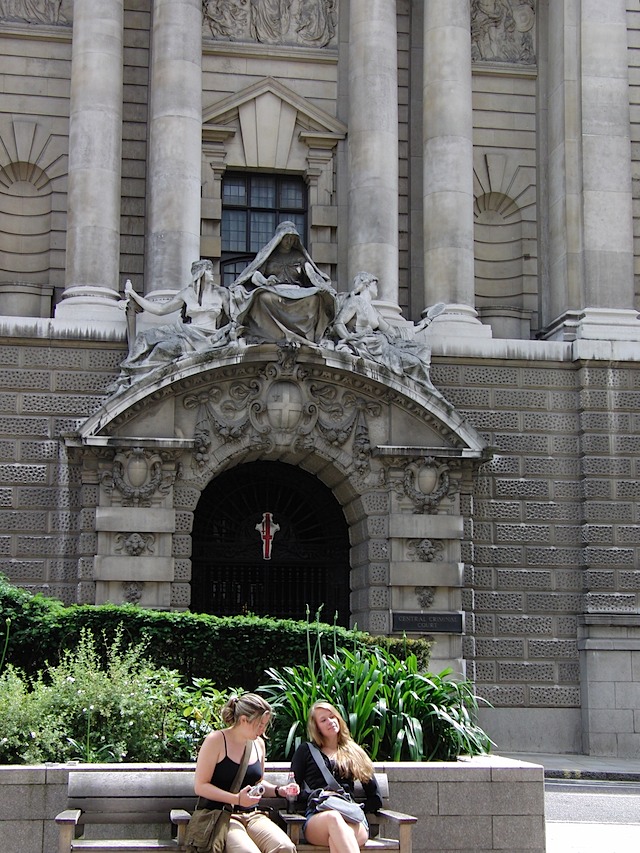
[[238, 568]]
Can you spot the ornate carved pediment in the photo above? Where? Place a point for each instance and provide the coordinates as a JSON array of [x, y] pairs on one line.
[[264, 403], [268, 104]]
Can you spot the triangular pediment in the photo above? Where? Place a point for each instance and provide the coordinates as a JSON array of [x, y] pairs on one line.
[[269, 94]]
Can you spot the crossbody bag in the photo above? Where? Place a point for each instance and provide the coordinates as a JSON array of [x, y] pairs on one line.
[[207, 829], [333, 796]]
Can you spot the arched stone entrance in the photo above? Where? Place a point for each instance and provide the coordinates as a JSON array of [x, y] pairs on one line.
[[396, 458], [244, 561]]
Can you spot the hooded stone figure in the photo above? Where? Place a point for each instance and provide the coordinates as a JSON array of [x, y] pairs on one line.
[[282, 295]]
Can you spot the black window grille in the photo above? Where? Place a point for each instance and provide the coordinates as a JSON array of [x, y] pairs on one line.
[[252, 207]]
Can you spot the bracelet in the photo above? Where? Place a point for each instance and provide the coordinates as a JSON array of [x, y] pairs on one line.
[[277, 791]]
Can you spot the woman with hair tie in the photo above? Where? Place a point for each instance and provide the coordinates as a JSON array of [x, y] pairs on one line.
[[221, 753]]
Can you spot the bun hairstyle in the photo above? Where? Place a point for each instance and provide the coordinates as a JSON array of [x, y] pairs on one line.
[[351, 758], [248, 705]]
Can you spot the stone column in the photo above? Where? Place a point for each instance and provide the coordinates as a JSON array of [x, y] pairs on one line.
[[373, 145], [562, 187], [590, 291], [175, 144], [608, 294], [95, 156], [448, 169]]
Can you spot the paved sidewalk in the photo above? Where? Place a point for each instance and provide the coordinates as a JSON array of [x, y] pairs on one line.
[[582, 766], [592, 838], [574, 837]]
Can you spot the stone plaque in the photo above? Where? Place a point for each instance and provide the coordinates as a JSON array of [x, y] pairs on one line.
[[428, 623]]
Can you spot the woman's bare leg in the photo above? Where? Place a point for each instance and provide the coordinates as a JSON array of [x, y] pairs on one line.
[[330, 829]]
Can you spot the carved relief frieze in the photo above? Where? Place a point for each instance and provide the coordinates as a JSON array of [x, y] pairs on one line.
[[56, 12], [503, 31], [282, 406], [310, 23], [138, 476]]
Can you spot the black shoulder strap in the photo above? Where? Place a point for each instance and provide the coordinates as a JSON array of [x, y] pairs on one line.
[[329, 778]]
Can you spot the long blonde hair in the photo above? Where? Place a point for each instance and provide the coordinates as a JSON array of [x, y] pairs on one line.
[[351, 760]]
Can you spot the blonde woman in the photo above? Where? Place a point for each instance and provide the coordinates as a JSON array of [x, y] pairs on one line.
[[348, 763], [221, 753]]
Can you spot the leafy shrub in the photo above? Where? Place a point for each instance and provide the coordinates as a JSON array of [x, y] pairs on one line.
[[122, 710], [17, 719], [224, 650], [105, 701], [33, 631], [392, 709]]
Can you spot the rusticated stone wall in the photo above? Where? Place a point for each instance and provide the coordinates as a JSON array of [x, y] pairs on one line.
[[550, 549], [555, 541], [46, 391]]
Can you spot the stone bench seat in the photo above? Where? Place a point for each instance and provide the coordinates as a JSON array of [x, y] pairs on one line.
[[129, 800]]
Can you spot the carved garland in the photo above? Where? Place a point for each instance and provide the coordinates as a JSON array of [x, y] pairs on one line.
[[138, 475], [428, 471]]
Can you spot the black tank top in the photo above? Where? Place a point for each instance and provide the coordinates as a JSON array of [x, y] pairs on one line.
[[225, 772]]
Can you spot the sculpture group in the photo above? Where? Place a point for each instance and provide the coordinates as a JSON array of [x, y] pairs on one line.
[[281, 297]]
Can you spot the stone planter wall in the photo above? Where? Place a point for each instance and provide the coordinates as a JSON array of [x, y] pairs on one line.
[[483, 803]]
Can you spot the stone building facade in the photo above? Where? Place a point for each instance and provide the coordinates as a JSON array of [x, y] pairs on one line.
[[482, 155]]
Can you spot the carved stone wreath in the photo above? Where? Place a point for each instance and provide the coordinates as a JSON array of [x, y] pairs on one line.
[[426, 483], [138, 475]]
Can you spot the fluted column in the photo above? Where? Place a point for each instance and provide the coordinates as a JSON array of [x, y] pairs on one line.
[[448, 168], [175, 144], [95, 156], [373, 144]]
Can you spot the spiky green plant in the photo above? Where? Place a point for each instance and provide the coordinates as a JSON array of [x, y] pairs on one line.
[[394, 711]]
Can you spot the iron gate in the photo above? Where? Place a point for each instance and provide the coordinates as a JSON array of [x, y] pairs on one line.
[[308, 563]]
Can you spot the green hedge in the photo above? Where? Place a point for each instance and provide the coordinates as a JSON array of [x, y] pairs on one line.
[[230, 651]]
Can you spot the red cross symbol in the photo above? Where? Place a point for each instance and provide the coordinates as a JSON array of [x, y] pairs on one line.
[[267, 529]]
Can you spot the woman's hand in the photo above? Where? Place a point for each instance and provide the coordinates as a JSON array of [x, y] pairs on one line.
[[291, 789], [245, 800]]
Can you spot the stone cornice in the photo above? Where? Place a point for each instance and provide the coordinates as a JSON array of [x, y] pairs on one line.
[[312, 55]]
